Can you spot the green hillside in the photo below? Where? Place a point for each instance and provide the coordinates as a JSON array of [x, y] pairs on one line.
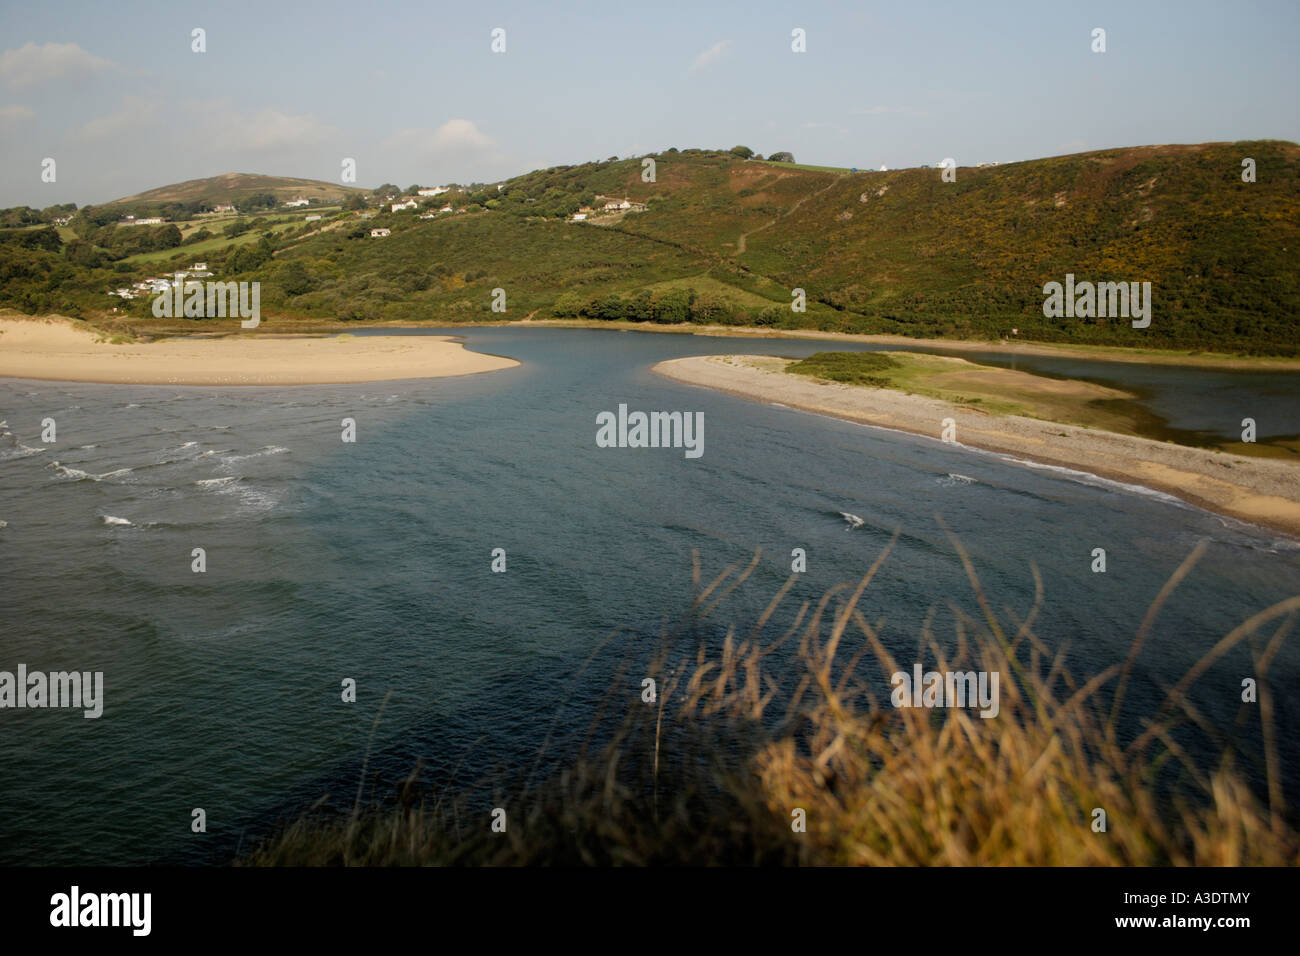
[[233, 187], [726, 240]]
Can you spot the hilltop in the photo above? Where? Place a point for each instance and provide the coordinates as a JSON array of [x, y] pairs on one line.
[[233, 187], [715, 238]]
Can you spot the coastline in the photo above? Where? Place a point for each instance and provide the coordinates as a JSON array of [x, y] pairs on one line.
[[1094, 353], [1260, 492], [54, 348]]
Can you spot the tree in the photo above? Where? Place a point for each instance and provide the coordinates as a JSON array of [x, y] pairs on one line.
[[355, 202], [673, 305], [781, 158], [709, 307], [568, 305], [294, 278], [744, 152], [166, 237]]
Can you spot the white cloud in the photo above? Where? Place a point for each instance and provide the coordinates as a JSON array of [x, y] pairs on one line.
[[12, 116], [33, 63], [454, 138], [709, 56], [136, 113], [226, 129]]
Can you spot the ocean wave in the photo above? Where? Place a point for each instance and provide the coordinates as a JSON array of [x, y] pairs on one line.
[[216, 482], [76, 474], [262, 453], [952, 479], [114, 520], [1088, 478], [19, 451]]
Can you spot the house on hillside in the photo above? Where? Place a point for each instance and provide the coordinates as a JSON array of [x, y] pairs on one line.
[[380, 233], [433, 191], [578, 217], [620, 205], [399, 206], [312, 218], [294, 203], [224, 207], [445, 209]]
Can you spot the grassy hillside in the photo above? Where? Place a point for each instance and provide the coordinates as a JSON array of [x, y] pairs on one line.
[[725, 240], [972, 256], [233, 187]]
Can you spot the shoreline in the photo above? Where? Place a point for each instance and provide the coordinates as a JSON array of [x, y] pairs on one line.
[[1094, 353], [1254, 490], [282, 325], [57, 349]]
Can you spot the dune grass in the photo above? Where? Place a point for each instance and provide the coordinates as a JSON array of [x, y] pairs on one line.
[[717, 768]]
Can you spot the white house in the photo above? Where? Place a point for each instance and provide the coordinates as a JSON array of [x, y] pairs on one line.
[[578, 217], [399, 206], [312, 218], [614, 205], [224, 208], [200, 266], [380, 233], [445, 209], [298, 202], [433, 191]]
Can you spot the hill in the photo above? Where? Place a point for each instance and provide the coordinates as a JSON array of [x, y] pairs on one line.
[[728, 240], [232, 187]]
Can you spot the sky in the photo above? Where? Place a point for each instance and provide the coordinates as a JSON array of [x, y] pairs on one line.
[[414, 93]]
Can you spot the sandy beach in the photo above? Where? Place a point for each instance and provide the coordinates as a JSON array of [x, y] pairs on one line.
[[1259, 491], [54, 348]]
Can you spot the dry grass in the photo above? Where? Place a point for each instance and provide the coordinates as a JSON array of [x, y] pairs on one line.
[[712, 772]]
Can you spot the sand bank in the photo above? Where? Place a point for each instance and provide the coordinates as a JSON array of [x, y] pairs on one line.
[[58, 349], [1259, 491]]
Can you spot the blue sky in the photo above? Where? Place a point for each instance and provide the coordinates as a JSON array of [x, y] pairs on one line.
[[413, 92]]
